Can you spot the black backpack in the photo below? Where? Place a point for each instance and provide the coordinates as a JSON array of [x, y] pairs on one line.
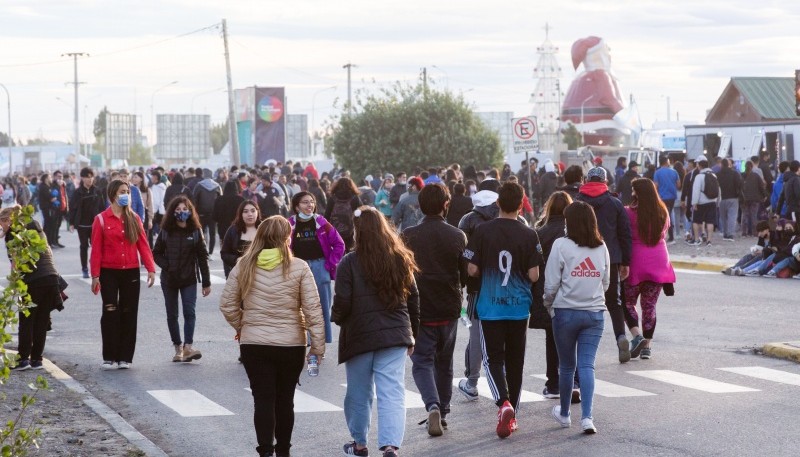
[[711, 186], [342, 217]]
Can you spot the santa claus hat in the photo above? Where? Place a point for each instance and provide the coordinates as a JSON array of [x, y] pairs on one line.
[[581, 47]]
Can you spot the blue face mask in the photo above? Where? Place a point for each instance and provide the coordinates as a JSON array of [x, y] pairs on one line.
[[123, 200], [182, 216], [305, 217]]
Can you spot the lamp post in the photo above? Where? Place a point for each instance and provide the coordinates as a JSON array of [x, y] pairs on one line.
[[8, 97], [152, 115], [583, 143], [314, 106], [191, 106]]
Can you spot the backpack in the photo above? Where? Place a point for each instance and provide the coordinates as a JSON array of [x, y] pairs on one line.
[[342, 217], [711, 186]]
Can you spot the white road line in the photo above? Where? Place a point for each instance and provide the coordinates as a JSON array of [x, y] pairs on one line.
[[189, 403], [696, 272], [610, 390], [485, 391], [767, 374], [413, 399], [305, 403], [692, 382]]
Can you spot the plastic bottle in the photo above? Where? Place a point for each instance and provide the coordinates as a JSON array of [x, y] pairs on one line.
[[313, 366], [465, 320]]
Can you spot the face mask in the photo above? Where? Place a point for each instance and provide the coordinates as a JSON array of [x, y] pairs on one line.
[[123, 200], [401, 182], [182, 216], [304, 217], [473, 189]]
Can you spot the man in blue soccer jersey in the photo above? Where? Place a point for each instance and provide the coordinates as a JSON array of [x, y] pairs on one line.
[[506, 255]]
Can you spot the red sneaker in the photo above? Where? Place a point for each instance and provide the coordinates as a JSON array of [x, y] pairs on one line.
[[506, 420]]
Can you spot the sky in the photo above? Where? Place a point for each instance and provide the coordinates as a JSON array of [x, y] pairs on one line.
[[681, 50]]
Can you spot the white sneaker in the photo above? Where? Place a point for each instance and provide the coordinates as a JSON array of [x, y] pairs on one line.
[[564, 421], [797, 276], [123, 365], [587, 424], [108, 365]]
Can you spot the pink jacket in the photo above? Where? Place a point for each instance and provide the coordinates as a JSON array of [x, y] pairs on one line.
[[329, 240], [648, 263]]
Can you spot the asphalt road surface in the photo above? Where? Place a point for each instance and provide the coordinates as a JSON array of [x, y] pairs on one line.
[[705, 392]]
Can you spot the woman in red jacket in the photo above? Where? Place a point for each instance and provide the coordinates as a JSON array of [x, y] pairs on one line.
[[118, 240]]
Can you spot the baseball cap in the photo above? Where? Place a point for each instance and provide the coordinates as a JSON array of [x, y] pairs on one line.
[[633, 164], [597, 174], [701, 158]]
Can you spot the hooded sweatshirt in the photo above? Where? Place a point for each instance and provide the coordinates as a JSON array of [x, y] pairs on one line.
[[576, 277], [612, 220]]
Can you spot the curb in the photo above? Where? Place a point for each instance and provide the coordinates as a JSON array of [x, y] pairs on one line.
[[789, 350], [702, 266], [113, 418]]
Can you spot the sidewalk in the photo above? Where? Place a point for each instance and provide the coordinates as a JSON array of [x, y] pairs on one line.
[[716, 257]]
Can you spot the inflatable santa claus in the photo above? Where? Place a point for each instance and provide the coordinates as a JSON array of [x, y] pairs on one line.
[[594, 103]]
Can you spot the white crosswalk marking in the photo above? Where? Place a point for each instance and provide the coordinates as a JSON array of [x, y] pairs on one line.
[[189, 403], [692, 382], [610, 390], [413, 399], [767, 374], [485, 391], [305, 403]]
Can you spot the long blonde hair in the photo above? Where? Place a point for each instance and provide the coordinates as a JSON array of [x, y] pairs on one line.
[[273, 233]]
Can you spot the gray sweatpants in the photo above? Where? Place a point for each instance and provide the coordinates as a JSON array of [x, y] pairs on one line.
[[728, 210], [473, 354]]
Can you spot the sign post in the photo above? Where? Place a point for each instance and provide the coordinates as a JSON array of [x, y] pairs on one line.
[[526, 139]]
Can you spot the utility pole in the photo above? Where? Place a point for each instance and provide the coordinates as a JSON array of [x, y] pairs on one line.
[[75, 56], [425, 81], [233, 138], [349, 67]]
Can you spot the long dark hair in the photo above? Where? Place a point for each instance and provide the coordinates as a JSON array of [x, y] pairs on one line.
[[170, 223], [343, 185], [130, 221], [143, 184], [389, 264], [582, 225], [554, 206], [651, 212], [232, 188], [238, 222]]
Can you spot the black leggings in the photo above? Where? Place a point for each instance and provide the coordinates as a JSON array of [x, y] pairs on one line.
[[120, 292], [503, 345], [33, 328], [614, 302], [85, 237], [273, 372]]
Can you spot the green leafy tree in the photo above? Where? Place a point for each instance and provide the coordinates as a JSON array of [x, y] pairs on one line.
[[404, 127], [24, 249], [4, 140], [100, 123], [572, 137], [219, 136]]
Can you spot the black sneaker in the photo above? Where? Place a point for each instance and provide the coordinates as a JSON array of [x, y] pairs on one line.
[[637, 344], [22, 365], [550, 393], [390, 453], [576, 395], [36, 364], [350, 449]]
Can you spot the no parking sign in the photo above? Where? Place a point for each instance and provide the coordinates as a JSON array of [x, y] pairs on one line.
[[526, 134]]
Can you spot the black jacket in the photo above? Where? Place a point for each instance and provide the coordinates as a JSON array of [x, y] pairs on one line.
[[730, 183], [459, 206], [366, 323], [174, 190], [44, 197], [754, 189], [625, 187], [547, 185], [572, 190], [84, 205], [438, 247], [397, 191], [790, 194], [229, 251], [612, 222], [44, 267], [548, 234], [180, 253], [204, 195]]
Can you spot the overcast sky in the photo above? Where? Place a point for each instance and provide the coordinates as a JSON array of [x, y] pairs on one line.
[[681, 49]]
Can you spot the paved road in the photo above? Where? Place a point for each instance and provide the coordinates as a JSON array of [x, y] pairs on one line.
[[704, 393]]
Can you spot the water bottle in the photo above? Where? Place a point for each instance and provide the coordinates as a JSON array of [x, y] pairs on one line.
[[465, 320], [313, 366]]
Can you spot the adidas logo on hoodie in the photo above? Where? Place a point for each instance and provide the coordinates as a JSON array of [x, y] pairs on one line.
[[586, 270]]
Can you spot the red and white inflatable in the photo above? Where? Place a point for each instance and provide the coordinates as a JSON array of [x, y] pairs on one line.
[[595, 92]]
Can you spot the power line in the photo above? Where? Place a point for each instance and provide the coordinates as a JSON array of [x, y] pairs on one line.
[[118, 51]]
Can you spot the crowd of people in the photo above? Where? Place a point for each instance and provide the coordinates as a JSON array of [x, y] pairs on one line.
[[401, 249]]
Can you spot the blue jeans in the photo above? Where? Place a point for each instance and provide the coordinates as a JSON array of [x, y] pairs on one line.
[[383, 370], [188, 298], [323, 280], [577, 331], [788, 262]]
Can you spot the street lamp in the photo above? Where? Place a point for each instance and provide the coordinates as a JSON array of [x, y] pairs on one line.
[[583, 143], [8, 97], [191, 106], [152, 115], [314, 106]]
